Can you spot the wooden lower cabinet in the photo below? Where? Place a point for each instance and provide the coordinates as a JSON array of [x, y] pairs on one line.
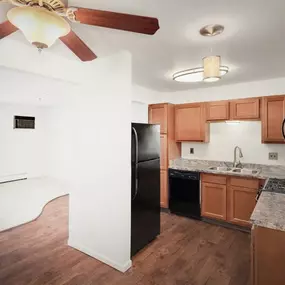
[[214, 201], [163, 152], [241, 203], [229, 198], [164, 188], [268, 256]]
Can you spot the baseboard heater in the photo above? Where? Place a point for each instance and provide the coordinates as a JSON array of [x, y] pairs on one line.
[[13, 178]]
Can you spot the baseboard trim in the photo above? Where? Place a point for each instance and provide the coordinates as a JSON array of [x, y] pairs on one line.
[[122, 268], [226, 225], [165, 210]]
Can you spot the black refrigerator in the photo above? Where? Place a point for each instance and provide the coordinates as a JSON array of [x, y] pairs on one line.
[[145, 215]]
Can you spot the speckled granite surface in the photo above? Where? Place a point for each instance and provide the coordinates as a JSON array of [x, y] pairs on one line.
[[264, 171], [270, 211]]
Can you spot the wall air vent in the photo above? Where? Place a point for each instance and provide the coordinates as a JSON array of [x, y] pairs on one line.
[[21, 122]]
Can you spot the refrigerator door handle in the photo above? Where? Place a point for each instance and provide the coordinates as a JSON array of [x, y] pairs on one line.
[[283, 126], [136, 162]]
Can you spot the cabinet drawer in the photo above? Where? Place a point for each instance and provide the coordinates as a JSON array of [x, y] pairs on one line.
[[213, 178], [244, 182]]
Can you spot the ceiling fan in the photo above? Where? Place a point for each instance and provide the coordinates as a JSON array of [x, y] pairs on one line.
[[43, 22]]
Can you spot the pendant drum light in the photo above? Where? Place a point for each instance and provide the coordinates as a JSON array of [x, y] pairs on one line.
[[212, 65]]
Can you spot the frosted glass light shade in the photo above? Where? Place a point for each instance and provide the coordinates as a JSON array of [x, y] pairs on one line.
[[40, 26], [212, 68]]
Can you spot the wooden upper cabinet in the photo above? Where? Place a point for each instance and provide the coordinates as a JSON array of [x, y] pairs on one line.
[[190, 122], [218, 111], [214, 201], [245, 109], [272, 119], [157, 114]]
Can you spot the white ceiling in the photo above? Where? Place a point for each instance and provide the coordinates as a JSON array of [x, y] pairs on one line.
[[252, 45]]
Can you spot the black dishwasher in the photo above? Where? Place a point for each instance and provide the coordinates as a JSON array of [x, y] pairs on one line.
[[184, 193]]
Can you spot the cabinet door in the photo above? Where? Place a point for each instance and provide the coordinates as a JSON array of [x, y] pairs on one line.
[[272, 118], [218, 111], [214, 201], [190, 122], [157, 114], [269, 256], [163, 152], [241, 205], [245, 109], [164, 188]]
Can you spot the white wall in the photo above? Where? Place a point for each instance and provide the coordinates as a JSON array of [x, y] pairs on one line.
[[233, 91], [91, 153], [23, 151], [148, 96], [223, 137], [139, 112]]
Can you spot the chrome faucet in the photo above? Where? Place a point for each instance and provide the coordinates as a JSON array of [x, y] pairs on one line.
[[237, 163]]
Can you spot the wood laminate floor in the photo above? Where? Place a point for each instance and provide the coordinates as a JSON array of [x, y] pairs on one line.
[[188, 252]]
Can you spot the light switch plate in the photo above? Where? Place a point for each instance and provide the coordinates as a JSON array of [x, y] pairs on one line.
[[273, 156]]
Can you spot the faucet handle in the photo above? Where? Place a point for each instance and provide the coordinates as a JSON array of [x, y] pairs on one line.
[[239, 165]]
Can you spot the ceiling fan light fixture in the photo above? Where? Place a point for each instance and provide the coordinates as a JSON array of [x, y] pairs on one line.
[[212, 66], [40, 26]]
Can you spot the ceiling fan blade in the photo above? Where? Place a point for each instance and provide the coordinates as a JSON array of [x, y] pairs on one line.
[[78, 47], [126, 22], [7, 29]]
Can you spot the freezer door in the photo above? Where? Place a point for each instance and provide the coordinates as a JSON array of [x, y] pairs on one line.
[[148, 138], [146, 206]]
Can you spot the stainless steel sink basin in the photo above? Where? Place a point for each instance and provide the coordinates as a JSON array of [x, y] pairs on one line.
[[245, 171], [220, 168]]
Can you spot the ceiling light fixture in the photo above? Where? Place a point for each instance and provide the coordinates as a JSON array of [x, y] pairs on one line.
[[195, 74], [40, 26], [212, 30], [212, 68]]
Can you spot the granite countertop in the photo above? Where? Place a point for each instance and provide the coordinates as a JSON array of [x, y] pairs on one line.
[[269, 211], [264, 171]]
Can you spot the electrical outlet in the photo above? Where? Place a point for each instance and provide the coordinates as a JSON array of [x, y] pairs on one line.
[[273, 155], [191, 150]]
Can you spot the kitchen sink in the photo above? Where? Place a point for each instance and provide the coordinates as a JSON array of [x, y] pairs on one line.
[[245, 171], [220, 168]]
